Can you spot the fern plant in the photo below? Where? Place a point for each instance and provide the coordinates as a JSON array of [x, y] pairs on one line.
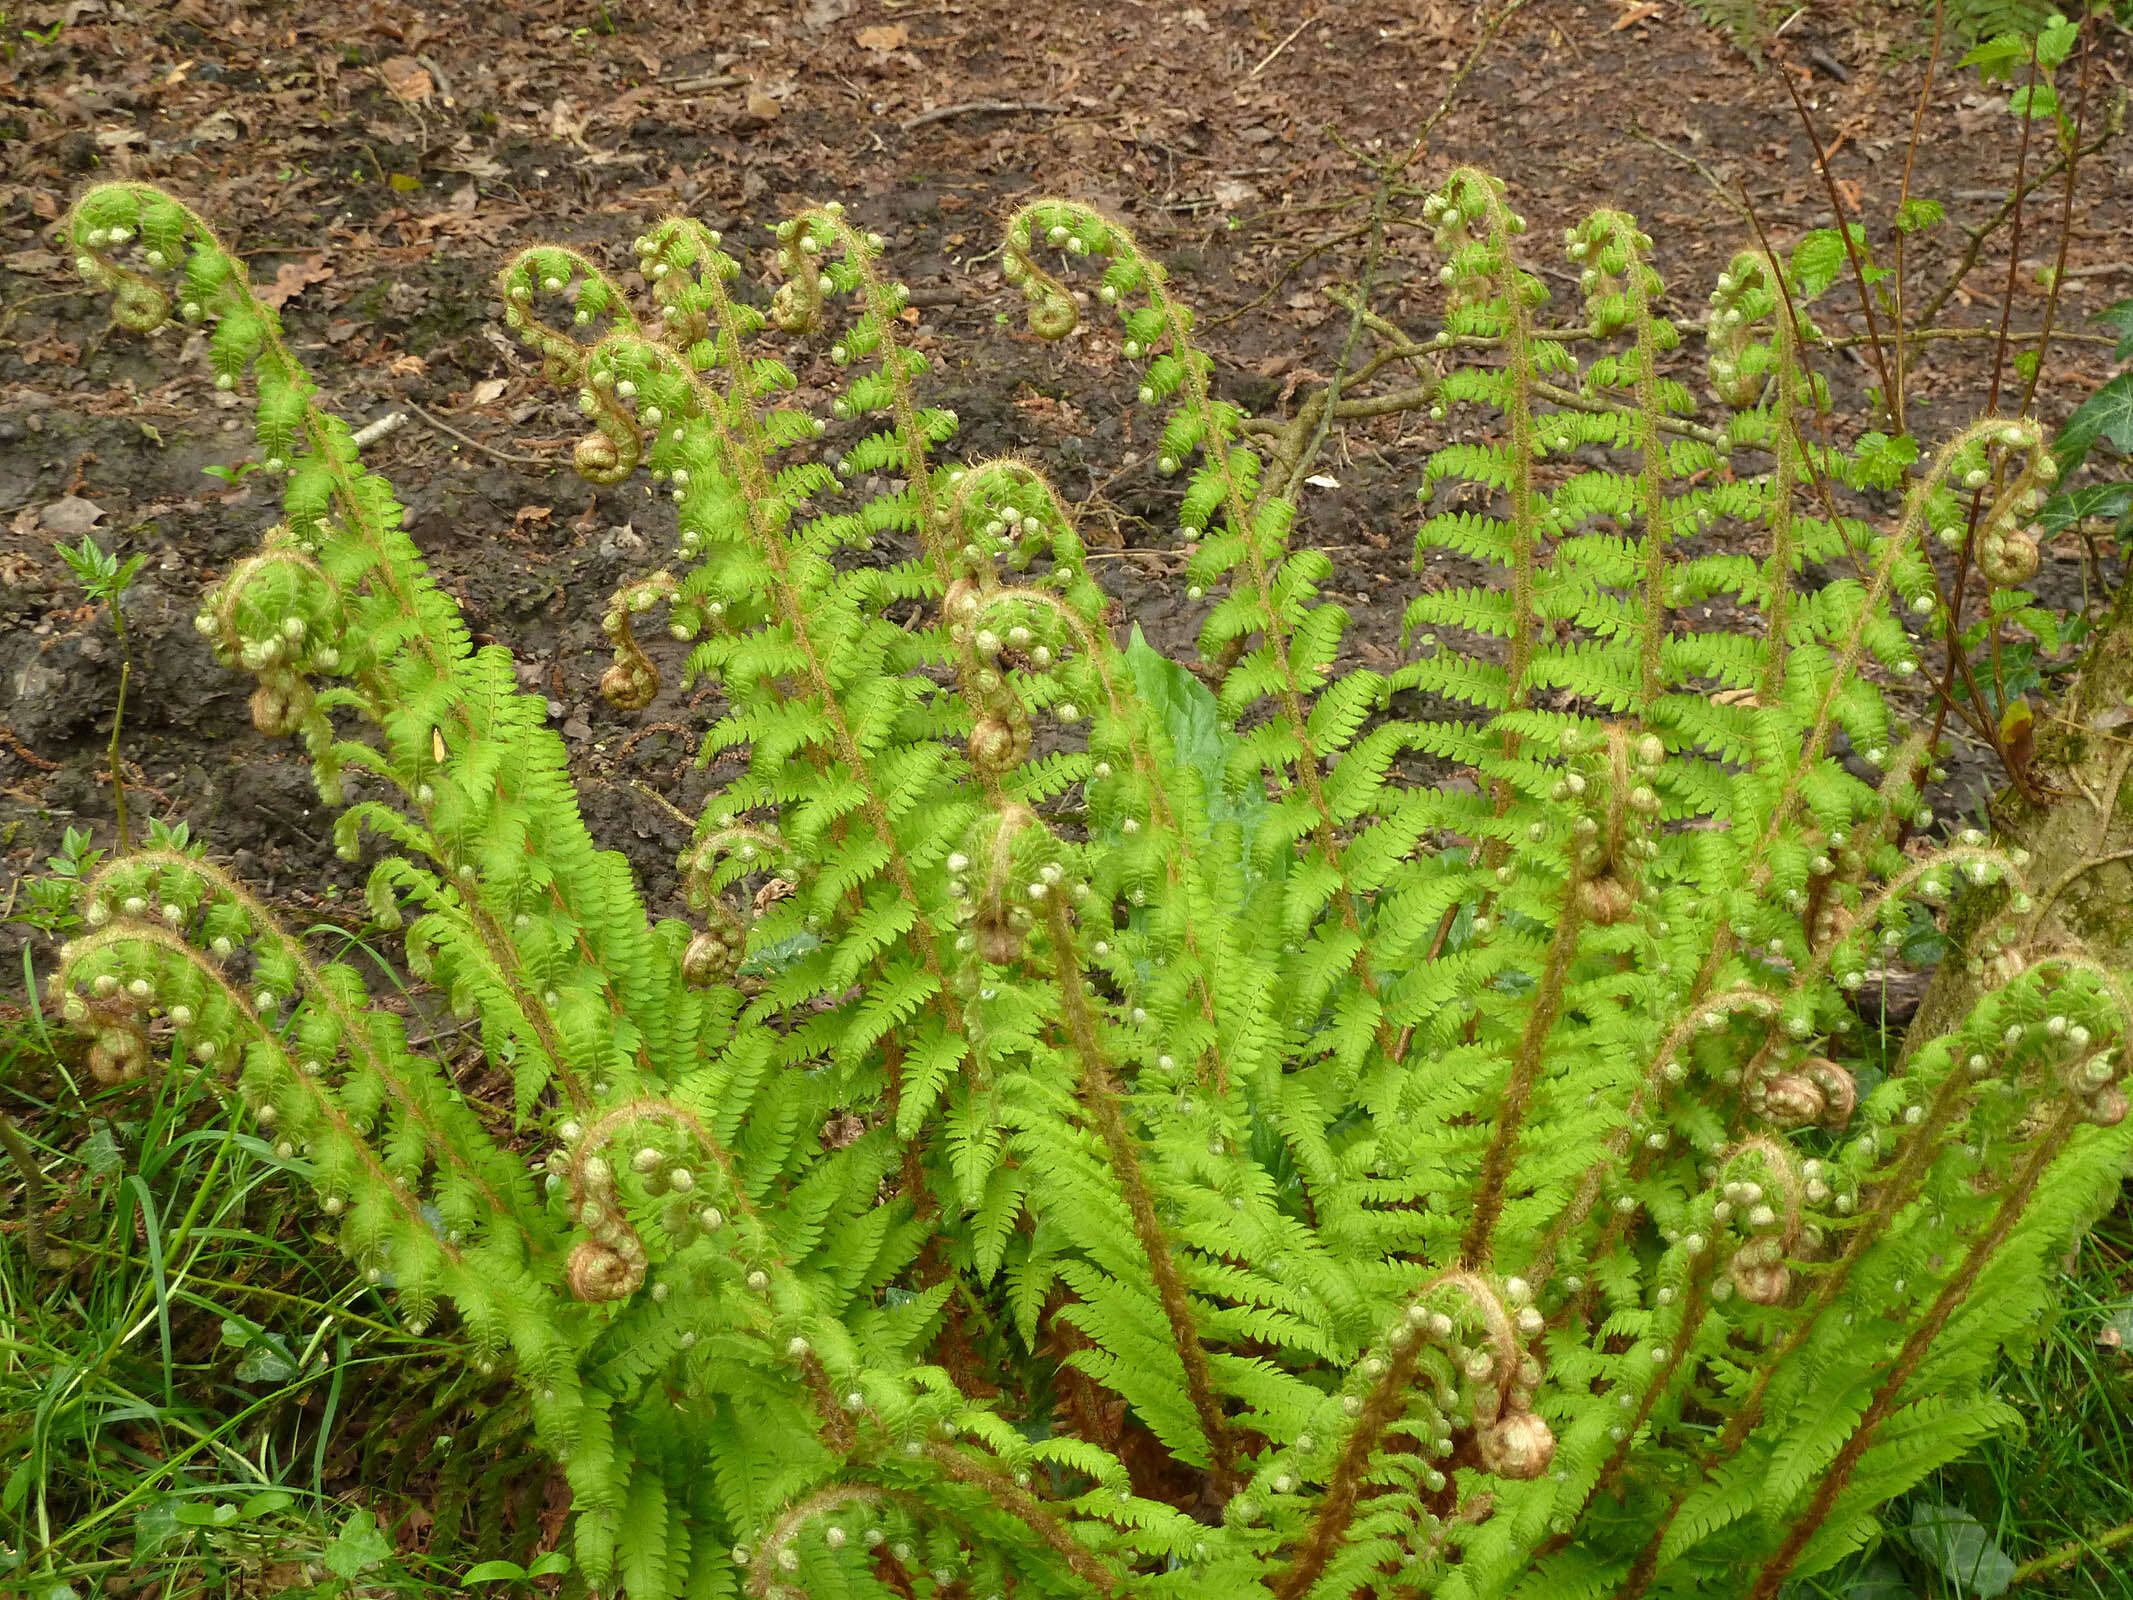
[[1099, 1135]]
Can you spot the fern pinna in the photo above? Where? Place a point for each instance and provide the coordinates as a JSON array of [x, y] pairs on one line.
[[1178, 1153]]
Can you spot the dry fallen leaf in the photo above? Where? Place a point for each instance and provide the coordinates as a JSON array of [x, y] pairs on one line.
[[292, 278], [885, 36], [1635, 15], [408, 367], [761, 105], [70, 516], [486, 390], [408, 79]]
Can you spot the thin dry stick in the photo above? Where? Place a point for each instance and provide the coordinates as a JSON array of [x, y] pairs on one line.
[[971, 108], [1387, 177], [1984, 230], [2066, 225], [489, 450], [1844, 232], [1291, 39], [1903, 199]]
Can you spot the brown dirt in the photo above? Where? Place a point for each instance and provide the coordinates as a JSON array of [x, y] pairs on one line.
[[378, 161]]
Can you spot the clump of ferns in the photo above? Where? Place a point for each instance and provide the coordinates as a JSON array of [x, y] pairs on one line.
[[1583, 1332]]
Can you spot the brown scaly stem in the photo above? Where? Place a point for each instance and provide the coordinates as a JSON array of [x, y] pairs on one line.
[[1518, 1087], [1902, 1185], [739, 436], [1099, 1093], [1289, 692], [1890, 1393], [1384, 1406], [1026, 1508], [151, 307]]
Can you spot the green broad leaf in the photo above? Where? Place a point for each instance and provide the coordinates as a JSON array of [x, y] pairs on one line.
[[101, 1155], [266, 1503], [2119, 319], [1960, 1546], [1878, 1579], [1191, 718], [360, 1544], [2056, 41], [2107, 415], [17, 1487], [1998, 57], [1819, 260], [156, 1524], [1917, 216], [2112, 502], [2034, 100], [549, 1564], [495, 1572], [207, 1513]]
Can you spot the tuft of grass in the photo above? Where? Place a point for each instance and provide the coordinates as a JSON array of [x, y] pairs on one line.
[[200, 1396]]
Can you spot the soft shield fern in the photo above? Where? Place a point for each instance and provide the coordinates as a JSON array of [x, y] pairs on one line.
[[1100, 1135]]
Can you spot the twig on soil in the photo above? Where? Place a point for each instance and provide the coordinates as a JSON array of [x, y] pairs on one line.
[[371, 432], [1291, 39], [1686, 159], [1984, 230], [468, 439], [978, 107], [703, 81]]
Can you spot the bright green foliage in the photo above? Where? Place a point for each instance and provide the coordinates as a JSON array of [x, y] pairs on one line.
[[1179, 1155]]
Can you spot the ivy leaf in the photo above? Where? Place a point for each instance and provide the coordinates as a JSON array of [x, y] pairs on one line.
[[359, 1545], [2111, 501], [1961, 1548], [101, 1155], [2107, 415], [2119, 319]]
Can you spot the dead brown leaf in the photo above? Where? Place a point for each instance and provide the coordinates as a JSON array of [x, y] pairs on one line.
[[408, 79], [885, 36], [292, 278], [1635, 15]]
